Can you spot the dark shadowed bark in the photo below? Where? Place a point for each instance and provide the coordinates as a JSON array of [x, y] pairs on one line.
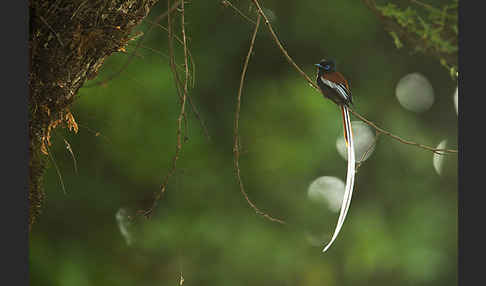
[[68, 42]]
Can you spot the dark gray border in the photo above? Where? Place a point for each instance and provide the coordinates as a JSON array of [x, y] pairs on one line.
[[14, 95]]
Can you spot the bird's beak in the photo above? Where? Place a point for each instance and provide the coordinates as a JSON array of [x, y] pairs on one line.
[[318, 65]]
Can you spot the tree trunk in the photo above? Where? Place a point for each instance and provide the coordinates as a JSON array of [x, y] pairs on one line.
[[68, 43]]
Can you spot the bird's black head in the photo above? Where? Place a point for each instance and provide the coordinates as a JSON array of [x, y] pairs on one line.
[[326, 66]]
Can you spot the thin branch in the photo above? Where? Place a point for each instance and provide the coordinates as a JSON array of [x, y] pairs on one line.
[[96, 133], [57, 169], [193, 65], [178, 81], [186, 52], [139, 43], [70, 150], [193, 77], [370, 148], [183, 95], [186, 65], [380, 130], [179, 67], [311, 82], [228, 3], [282, 49], [236, 146]]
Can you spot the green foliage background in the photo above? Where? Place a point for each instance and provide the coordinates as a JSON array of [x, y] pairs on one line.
[[402, 224]]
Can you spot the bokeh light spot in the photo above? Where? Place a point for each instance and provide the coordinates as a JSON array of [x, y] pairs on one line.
[[364, 142], [438, 159], [415, 93], [455, 101], [328, 190], [124, 225]]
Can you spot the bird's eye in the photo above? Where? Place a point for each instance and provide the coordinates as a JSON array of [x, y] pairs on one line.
[[327, 67]]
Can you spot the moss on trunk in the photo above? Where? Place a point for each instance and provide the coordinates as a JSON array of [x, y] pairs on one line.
[[68, 43]]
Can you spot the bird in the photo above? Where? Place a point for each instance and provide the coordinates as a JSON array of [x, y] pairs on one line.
[[333, 85]]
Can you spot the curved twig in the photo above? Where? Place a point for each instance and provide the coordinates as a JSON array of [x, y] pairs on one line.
[[236, 146]]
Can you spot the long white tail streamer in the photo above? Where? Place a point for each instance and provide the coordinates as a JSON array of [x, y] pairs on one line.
[[348, 191]]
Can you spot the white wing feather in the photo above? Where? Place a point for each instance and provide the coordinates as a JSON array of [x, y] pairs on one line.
[[339, 88]]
